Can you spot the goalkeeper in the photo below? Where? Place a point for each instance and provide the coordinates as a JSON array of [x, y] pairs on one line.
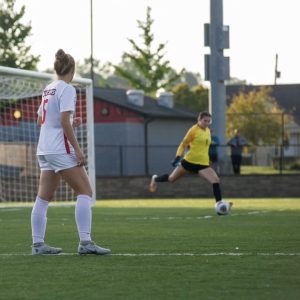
[[196, 160]]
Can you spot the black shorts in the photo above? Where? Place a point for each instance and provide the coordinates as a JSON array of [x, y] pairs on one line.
[[193, 168]]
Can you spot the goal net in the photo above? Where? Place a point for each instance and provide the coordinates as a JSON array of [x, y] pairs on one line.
[[20, 97]]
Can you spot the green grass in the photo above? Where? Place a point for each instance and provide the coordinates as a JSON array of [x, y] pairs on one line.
[[263, 170], [263, 234]]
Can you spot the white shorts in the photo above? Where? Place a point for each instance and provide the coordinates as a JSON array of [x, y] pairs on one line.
[[57, 162]]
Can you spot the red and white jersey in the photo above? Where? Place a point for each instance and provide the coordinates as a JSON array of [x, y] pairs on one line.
[[57, 97]]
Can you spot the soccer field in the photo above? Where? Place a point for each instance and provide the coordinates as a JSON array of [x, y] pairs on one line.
[[161, 249]]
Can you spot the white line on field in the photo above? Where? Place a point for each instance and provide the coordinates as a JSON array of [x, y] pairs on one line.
[[20, 206], [256, 212], [171, 254], [6, 209]]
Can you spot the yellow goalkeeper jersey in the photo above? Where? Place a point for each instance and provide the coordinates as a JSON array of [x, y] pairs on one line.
[[198, 141]]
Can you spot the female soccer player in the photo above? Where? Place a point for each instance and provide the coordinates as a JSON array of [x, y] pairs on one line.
[[196, 160], [60, 156]]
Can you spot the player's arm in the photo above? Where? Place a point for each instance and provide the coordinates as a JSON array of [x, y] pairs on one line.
[[39, 120], [185, 142], [40, 116], [69, 132], [77, 122]]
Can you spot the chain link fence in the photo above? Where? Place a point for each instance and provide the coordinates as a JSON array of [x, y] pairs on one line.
[[139, 161]]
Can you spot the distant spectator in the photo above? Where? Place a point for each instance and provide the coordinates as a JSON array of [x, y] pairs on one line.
[[213, 151], [237, 143]]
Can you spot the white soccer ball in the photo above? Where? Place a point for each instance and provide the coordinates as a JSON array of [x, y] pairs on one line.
[[222, 207]]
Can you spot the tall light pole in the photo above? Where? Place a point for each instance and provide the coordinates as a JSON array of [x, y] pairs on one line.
[[92, 58], [217, 71]]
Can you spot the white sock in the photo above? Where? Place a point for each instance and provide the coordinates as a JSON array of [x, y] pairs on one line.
[[83, 217], [39, 220]]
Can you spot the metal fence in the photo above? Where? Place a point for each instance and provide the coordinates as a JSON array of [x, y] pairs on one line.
[[141, 161], [273, 141]]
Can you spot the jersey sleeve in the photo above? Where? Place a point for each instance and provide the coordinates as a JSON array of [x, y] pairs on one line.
[[67, 100], [186, 141]]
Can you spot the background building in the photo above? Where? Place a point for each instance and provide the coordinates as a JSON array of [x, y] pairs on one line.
[[136, 134]]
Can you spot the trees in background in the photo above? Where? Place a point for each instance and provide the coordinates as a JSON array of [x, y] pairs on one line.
[[194, 98], [145, 68], [256, 115], [101, 71], [13, 51]]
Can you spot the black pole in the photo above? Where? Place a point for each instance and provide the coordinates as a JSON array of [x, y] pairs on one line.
[[92, 58], [281, 162], [146, 145], [121, 160], [276, 71]]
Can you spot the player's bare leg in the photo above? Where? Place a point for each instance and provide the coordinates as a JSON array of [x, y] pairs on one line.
[[210, 175], [175, 175], [78, 180], [49, 181]]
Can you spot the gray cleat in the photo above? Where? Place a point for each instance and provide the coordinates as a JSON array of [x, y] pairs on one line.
[[90, 247], [44, 249]]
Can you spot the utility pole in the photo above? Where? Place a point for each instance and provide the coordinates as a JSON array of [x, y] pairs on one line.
[[92, 58], [277, 73], [217, 71]]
